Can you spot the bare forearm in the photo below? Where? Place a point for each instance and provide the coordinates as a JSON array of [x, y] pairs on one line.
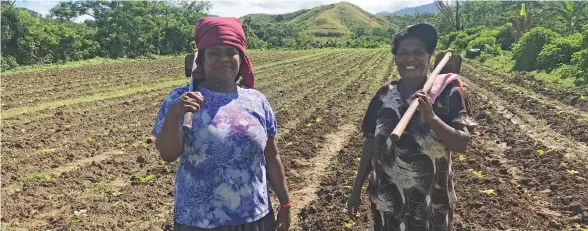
[[365, 163], [454, 139], [169, 141], [277, 178]]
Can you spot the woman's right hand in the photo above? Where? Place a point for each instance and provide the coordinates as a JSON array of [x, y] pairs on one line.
[[353, 205], [188, 102]]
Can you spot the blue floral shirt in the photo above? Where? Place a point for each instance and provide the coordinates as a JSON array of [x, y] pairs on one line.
[[221, 177]]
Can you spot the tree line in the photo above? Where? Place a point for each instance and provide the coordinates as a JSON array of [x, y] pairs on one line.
[[117, 29], [144, 28]]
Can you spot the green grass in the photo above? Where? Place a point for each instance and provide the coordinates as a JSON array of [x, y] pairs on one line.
[[81, 63], [505, 64], [502, 62]]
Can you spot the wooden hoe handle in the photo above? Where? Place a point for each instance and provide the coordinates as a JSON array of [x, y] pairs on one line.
[[415, 103], [187, 126]]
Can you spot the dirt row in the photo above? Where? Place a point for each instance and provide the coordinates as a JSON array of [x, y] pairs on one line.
[[87, 83], [101, 180], [69, 128], [529, 192], [572, 123], [573, 96]]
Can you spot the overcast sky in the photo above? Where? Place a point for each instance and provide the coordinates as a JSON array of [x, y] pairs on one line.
[[238, 8]]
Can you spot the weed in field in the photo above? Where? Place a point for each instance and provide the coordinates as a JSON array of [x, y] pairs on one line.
[[100, 187], [580, 120], [116, 193], [309, 124], [541, 152], [80, 213], [571, 171], [350, 223], [319, 119], [478, 174], [460, 157], [33, 176], [488, 192], [358, 159], [355, 172], [536, 142], [144, 179], [582, 97]]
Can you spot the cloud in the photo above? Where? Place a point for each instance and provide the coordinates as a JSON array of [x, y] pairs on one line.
[[236, 8]]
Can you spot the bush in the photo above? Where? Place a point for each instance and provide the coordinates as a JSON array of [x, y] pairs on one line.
[[8, 62], [475, 30], [557, 53], [482, 41], [504, 37], [585, 36], [567, 71], [446, 40], [529, 46], [580, 60]]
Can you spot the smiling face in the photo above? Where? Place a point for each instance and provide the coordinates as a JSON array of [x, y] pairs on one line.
[[221, 64], [412, 59]]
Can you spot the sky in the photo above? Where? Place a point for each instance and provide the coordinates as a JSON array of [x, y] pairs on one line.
[[238, 8]]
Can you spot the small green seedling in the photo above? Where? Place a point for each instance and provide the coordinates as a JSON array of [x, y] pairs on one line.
[[350, 223], [582, 98], [355, 172], [144, 179], [460, 157], [289, 143], [116, 193], [80, 213], [536, 142], [319, 119], [580, 120], [571, 171], [489, 192], [358, 159], [309, 124], [558, 113], [583, 229], [478, 174]]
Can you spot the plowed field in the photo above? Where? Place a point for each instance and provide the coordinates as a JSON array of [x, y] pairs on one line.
[[77, 152]]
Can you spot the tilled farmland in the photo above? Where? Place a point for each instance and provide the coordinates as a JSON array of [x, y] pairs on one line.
[[77, 151]]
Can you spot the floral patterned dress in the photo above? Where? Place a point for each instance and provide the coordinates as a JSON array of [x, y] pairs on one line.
[[221, 177], [411, 186]]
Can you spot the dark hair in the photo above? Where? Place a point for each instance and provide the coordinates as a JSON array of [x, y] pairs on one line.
[[424, 32]]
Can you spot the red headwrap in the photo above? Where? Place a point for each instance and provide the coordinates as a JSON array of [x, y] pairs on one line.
[[212, 31]]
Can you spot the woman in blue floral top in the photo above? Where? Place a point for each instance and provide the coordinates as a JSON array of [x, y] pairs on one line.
[[230, 152]]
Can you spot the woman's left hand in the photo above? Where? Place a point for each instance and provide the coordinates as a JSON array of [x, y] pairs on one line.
[[283, 220], [425, 106]]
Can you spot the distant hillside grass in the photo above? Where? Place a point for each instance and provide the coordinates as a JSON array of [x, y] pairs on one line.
[[328, 21]]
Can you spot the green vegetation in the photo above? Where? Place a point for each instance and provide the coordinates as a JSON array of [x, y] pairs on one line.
[[547, 39], [544, 38], [119, 29]]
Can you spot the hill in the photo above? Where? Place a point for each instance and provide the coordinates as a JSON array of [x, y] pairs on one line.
[[423, 9], [326, 21]]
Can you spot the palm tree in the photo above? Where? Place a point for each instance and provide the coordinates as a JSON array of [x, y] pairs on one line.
[[571, 11]]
